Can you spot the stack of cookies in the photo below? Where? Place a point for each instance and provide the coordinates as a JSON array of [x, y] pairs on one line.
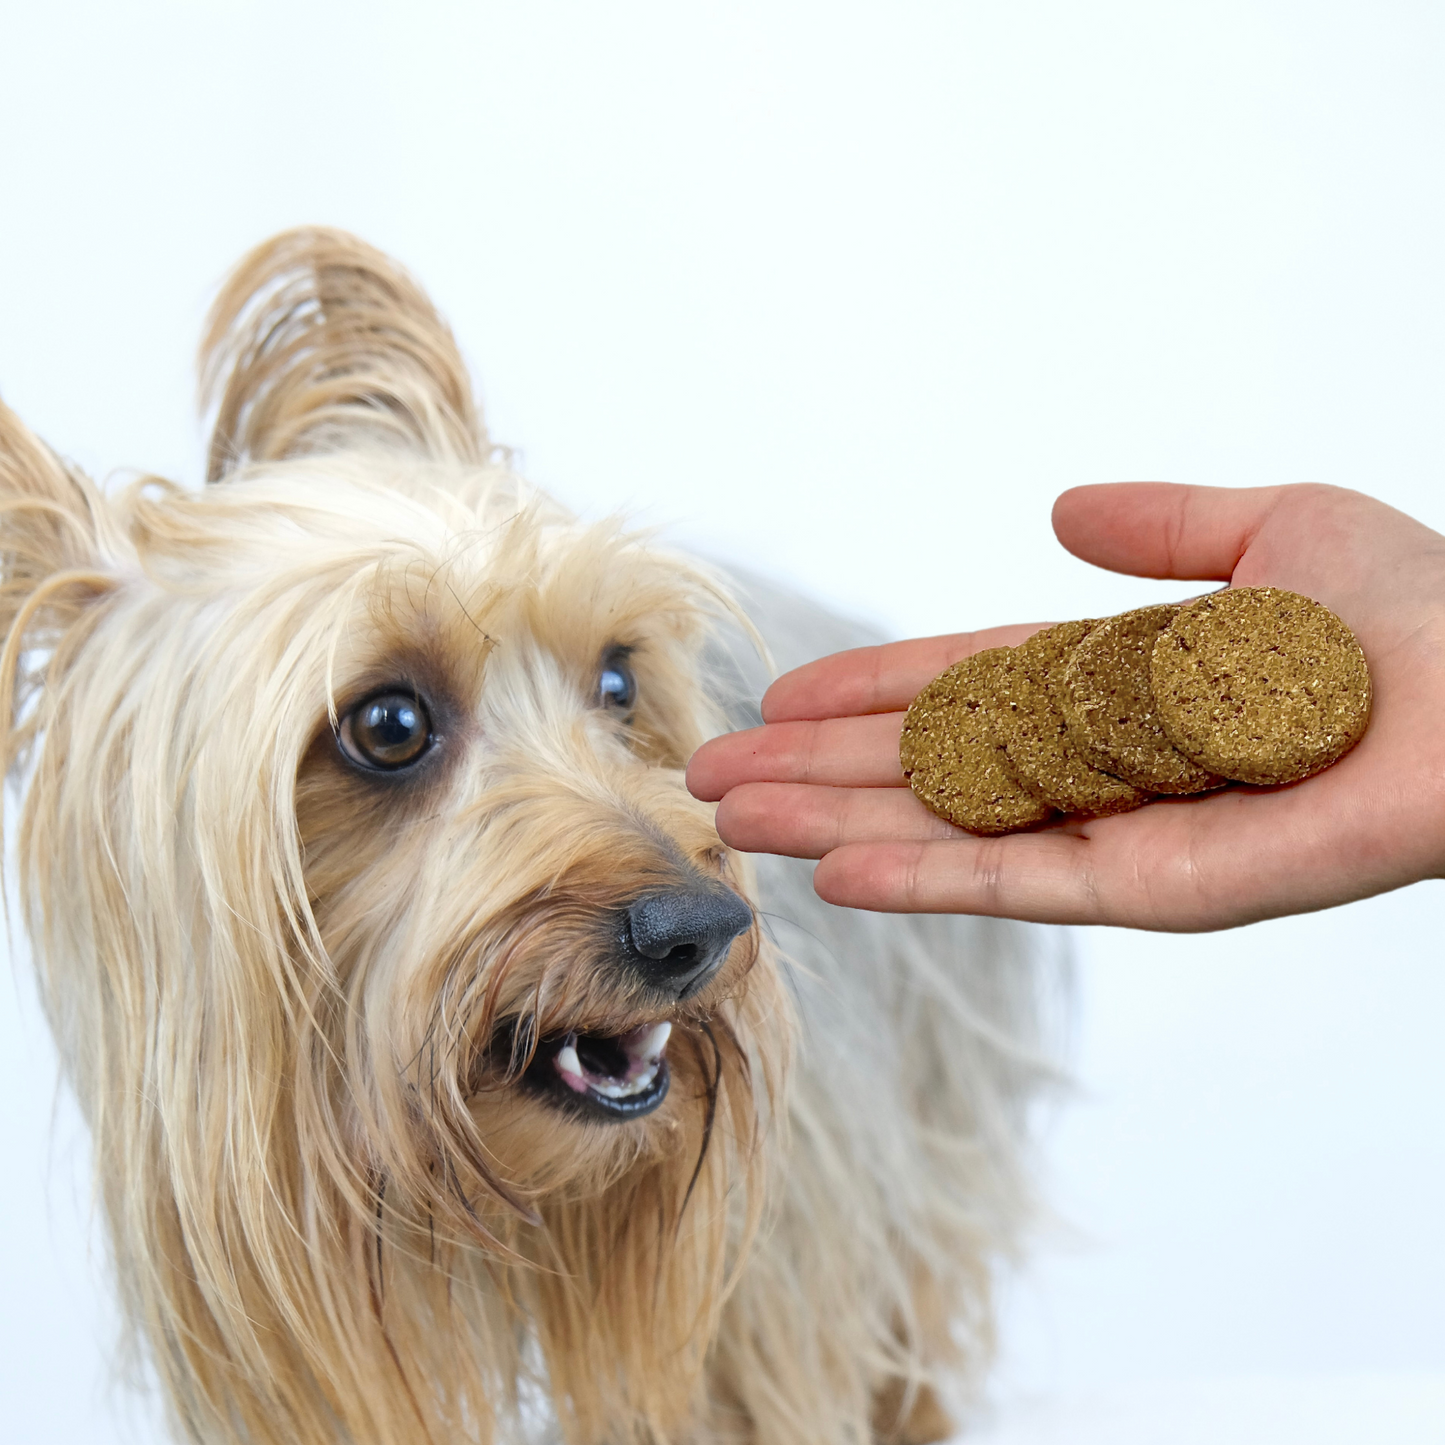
[[1252, 684]]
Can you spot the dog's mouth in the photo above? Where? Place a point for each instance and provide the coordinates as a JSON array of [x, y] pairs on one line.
[[622, 1077]]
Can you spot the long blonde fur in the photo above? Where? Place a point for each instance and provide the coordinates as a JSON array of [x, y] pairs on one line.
[[295, 1001]]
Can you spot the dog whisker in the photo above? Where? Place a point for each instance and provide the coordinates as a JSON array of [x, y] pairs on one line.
[[710, 1085]]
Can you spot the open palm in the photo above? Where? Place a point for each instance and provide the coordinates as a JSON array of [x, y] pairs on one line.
[[821, 778]]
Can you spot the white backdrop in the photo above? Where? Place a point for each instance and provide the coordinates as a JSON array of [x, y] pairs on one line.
[[850, 292]]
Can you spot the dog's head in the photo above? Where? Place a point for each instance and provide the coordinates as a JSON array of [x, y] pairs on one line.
[[421, 1017]]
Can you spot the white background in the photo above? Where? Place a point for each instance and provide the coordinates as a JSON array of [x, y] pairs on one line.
[[850, 292]]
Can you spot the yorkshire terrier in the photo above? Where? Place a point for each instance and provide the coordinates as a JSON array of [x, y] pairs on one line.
[[449, 1080]]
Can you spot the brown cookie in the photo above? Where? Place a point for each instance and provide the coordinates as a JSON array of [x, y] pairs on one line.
[[1260, 684], [1034, 735], [953, 761], [1108, 704]]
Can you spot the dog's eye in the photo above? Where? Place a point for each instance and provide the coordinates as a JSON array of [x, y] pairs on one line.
[[616, 687], [391, 730]]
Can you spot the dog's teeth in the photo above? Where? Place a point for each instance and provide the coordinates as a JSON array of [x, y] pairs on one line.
[[570, 1067], [612, 1089], [650, 1047], [644, 1052]]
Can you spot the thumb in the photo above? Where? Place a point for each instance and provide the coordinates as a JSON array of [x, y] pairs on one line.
[[1157, 529]]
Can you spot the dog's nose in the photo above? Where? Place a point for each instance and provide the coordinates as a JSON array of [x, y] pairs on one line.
[[678, 939]]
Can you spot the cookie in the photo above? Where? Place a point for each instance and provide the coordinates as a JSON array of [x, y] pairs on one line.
[[952, 759], [1260, 684], [1031, 727], [1108, 704]]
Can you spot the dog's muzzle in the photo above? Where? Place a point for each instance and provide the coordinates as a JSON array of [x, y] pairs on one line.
[[673, 942]]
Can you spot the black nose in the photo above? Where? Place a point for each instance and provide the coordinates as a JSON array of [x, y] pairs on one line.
[[677, 939]]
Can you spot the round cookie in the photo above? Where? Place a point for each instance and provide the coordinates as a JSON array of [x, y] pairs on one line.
[[1260, 684], [953, 761], [1108, 704], [1032, 730]]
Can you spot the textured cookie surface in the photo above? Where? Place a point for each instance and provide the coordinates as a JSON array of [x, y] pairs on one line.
[[1032, 729], [1260, 684], [952, 758], [1108, 703]]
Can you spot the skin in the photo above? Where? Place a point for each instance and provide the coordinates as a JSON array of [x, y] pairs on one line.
[[821, 779]]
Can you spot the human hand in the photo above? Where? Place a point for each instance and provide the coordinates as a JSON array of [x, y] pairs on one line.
[[821, 778]]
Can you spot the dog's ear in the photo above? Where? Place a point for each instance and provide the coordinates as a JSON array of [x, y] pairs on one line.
[[319, 341], [51, 518]]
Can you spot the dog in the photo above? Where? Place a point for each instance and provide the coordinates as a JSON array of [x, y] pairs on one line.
[[448, 1078]]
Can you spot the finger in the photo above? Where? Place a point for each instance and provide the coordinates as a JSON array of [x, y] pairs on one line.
[[1157, 529], [1038, 877], [855, 752], [806, 822], [876, 679], [1179, 864]]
